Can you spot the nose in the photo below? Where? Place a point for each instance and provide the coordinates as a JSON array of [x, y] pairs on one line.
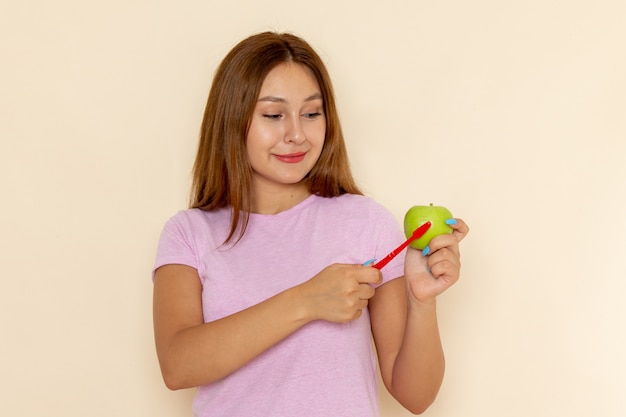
[[294, 132]]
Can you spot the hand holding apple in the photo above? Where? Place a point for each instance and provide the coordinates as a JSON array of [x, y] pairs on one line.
[[429, 276], [418, 215]]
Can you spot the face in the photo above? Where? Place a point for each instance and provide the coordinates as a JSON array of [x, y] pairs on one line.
[[287, 128]]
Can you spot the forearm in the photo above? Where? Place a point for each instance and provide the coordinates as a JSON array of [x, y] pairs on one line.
[[419, 366], [208, 352]]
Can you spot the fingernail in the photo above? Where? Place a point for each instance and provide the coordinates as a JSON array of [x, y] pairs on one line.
[[368, 263], [451, 221], [426, 251]]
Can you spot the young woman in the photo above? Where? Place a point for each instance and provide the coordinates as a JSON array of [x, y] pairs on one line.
[[260, 296]]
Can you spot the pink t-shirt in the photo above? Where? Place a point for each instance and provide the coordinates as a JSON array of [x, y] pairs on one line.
[[323, 369]]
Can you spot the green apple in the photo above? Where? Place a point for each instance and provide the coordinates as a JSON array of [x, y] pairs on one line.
[[418, 215]]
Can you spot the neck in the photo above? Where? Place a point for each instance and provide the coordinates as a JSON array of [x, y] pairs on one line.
[[273, 200]]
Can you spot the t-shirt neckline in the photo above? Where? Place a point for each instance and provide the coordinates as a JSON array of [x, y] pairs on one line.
[[290, 211]]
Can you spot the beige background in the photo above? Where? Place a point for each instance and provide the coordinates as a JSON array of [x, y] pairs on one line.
[[511, 113]]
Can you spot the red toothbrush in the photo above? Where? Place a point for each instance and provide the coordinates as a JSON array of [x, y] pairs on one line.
[[419, 232]]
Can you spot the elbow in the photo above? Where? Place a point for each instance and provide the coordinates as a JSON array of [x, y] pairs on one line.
[[172, 381], [419, 408], [177, 377], [415, 403], [174, 378], [176, 373]]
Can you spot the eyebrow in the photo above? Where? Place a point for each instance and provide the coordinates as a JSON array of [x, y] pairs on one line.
[[274, 99]]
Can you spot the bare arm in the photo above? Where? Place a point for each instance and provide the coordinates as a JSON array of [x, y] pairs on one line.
[[404, 323], [193, 353], [409, 347]]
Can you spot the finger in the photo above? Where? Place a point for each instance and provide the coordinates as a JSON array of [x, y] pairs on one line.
[[366, 291], [354, 311], [444, 255], [444, 263], [445, 280], [446, 270], [460, 229], [367, 275], [359, 311], [444, 241]]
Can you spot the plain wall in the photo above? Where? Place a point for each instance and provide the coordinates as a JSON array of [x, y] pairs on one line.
[[510, 113]]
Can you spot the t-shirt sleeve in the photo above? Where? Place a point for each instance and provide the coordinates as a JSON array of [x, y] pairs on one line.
[[390, 236], [176, 244]]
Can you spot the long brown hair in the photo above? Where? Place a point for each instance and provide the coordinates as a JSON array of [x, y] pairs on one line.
[[221, 172]]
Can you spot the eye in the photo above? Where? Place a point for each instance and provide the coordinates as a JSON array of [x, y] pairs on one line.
[[313, 115], [272, 116]]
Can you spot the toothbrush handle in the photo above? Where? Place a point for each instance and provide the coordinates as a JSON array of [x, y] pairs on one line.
[[419, 232]]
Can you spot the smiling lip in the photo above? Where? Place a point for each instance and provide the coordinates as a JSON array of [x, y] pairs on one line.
[[291, 158]]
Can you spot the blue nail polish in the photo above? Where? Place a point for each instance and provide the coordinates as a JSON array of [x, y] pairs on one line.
[[368, 263], [451, 221], [426, 251]]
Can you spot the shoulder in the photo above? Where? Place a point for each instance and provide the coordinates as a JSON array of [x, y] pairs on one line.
[[196, 222], [195, 217], [184, 220], [187, 216]]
